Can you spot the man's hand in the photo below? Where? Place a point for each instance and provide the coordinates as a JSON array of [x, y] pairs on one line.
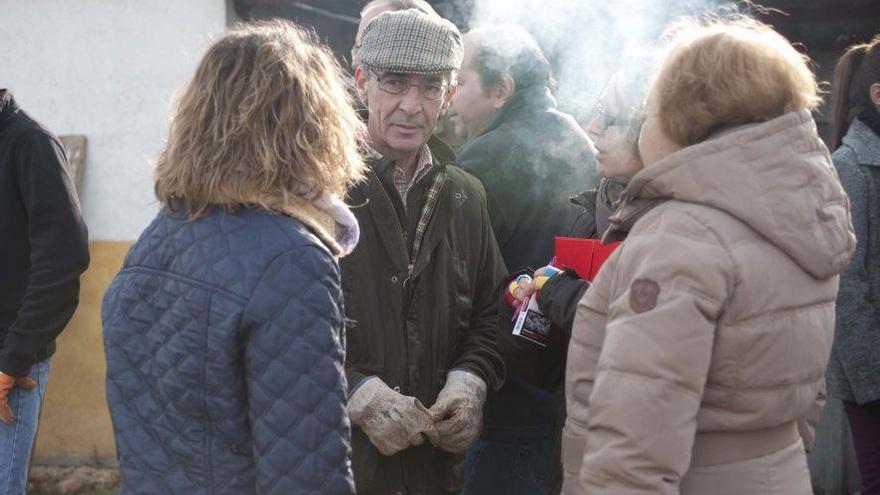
[[7, 383], [391, 420], [458, 411]]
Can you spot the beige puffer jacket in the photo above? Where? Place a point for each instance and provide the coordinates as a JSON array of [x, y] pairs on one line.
[[705, 337]]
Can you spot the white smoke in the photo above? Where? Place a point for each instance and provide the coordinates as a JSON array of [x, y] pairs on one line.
[[587, 40]]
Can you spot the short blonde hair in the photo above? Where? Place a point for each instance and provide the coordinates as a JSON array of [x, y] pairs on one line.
[[724, 73], [266, 118]]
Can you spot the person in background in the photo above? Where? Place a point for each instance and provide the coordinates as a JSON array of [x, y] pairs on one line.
[[420, 290], [702, 342], [854, 369], [224, 330], [44, 251], [530, 157], [614, 128]]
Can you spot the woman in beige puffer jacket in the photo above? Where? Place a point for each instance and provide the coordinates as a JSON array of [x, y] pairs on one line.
[[702, 344]]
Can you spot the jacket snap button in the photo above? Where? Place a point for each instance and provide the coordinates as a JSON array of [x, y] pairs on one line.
[[397, 388], [394, 279]]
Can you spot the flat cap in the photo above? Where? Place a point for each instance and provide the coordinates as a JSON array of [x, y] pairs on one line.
[[411, 42]]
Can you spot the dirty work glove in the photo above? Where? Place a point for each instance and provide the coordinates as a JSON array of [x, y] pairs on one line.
[[458, 412], [7, 383], [391, 420]]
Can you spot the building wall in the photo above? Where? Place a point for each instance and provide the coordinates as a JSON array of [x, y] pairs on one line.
[[107, 70]]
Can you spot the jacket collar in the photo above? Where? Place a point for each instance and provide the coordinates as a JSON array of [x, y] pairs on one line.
[[523, 104], [441, 153], [774, 176], [864, 143], [8, 107]]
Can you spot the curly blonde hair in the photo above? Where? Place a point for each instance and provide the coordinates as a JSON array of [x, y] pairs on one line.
[[722, 73], [266, 120]]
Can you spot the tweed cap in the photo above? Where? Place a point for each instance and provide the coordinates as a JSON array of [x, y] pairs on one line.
[[411, 42]]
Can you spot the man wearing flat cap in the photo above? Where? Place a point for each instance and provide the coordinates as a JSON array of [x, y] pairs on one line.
[[420, 288]]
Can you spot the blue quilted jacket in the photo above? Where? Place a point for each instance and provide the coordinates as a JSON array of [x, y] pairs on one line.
[[225, 346]]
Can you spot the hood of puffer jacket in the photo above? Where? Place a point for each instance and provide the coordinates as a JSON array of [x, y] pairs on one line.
[[775, 176]]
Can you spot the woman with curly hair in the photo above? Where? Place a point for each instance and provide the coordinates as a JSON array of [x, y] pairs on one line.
[[224, 328]]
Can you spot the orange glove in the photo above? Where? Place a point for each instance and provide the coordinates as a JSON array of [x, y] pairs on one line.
[[7, 383]]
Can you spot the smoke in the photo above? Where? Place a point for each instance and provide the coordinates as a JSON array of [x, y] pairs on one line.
[[588, 40]]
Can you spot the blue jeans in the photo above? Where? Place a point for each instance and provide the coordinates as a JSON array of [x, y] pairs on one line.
[[511, 467], [17, 439]]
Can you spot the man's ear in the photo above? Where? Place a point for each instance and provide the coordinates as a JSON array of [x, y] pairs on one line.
[[874, 94], [503, 90], [361, 78], [450, 94]]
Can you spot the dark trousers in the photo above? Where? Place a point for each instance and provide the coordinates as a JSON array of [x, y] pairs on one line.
[[512, 467], [864, 422]]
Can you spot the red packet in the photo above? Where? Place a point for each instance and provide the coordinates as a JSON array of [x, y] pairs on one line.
[[584, 256]]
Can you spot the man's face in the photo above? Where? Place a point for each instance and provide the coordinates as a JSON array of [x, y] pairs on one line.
[[473, 105], [399, 124]]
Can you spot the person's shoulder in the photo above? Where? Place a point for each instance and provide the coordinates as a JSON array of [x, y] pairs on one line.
[[25, 129], [851, 173], [845, 158], [698, 222], [488, 148], [282, 232], [262, 233]]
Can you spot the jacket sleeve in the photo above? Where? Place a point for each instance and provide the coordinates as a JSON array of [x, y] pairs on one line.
[[293, 357], [477, 345], [856, 336], [59, 251], [655, 358], [559, 298]]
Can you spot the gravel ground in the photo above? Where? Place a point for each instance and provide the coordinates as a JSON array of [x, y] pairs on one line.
[[75, 480]]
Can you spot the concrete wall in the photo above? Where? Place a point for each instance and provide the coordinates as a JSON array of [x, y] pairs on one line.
[[106, 69]]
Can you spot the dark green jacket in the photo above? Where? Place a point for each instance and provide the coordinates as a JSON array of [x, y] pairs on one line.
[[414, 317]]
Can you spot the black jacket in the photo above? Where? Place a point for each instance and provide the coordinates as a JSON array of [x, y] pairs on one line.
[[418, 312], [44, 246], [530, 159]]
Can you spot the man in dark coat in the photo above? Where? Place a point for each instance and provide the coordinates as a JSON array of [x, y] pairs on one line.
[[530, 158], [420, 288], [43, 252]]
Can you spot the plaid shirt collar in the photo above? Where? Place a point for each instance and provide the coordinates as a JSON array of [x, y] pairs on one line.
[[423, 164]]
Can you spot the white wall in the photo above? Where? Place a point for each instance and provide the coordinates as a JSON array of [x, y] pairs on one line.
[[106, 69]]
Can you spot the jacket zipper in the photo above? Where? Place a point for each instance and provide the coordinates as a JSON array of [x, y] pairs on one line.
[[402, 237]]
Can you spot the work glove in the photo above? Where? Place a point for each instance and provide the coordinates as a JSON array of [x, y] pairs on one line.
[[458, 412], [7, 383], [392, 421]]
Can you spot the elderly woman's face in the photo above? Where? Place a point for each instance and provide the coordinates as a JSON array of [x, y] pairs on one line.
[[653, 143], [609, 128]]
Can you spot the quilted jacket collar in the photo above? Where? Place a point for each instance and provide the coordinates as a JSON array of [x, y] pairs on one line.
[[321, 223]]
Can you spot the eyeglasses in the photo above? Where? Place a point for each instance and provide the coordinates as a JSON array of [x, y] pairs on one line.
[[397, 85], [607, 120]]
